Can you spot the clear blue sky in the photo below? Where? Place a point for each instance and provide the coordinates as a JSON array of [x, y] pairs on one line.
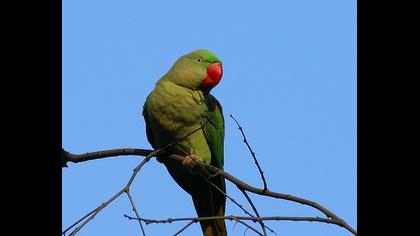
[[289, 78]]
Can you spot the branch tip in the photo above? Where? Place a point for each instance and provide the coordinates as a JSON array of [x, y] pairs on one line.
[[251, 151]]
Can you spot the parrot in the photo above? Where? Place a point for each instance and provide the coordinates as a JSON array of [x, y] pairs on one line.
[[180, 107]]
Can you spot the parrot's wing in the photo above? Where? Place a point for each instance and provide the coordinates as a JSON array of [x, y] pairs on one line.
[[209, 200], [214, 130]]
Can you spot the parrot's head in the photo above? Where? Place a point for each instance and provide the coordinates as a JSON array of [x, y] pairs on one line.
[[200, 69]]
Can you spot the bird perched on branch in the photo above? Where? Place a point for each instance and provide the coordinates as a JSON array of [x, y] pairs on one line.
[[181, 108]]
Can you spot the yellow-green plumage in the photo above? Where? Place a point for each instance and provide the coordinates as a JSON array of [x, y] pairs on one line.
[[177, 106]]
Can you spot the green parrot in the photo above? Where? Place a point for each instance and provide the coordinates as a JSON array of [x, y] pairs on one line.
[[179, 104]]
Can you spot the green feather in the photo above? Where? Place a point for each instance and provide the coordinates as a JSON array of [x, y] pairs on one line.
[[214, 130]]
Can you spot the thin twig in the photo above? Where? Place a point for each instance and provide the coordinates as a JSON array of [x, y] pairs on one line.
[[103, 205], [97, 210], [251, 151], [185, 227], [130, 198], [66, 156], [227, 196], [77, 222], [249, 227], [254, 209]]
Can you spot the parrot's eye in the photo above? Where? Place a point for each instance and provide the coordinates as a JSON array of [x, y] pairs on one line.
[[200, 59]]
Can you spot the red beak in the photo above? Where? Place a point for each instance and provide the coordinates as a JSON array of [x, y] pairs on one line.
[[214, 75]]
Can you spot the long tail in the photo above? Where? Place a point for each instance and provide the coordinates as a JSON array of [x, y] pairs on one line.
[[208, 201]]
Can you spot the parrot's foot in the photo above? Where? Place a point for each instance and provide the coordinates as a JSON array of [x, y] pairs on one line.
[[191, 161]]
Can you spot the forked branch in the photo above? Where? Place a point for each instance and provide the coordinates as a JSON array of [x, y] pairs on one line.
[[213, 170]]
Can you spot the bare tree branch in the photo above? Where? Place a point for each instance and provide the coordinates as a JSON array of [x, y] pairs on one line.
[[232, 217], [250, 150], [77, 222], [240, 184], [103, 205], [265, 192], [237, 218], [259, 169], [211, 171], [75, 158], [197, 219], [66, 156]]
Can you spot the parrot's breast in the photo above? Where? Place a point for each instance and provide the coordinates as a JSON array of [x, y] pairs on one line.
[[174, 112], [175, 107]]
